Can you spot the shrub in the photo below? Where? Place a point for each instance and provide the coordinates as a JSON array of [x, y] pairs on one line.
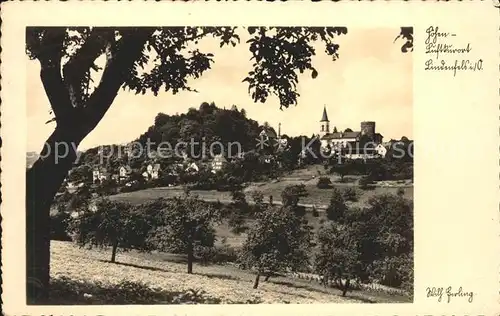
[[324, 183], [395, 271], [350, 194], [337, 208], [290, 196]]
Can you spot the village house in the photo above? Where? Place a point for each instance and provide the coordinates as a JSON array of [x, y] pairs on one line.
[[125, 172], [100, 174], [381, 150], [192, 167], [152, 172], [267, 134], [218, 163]]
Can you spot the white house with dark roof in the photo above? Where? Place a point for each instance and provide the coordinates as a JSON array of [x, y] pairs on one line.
[[152, 171], [124, 172], [100, 174], [268, 133], [218, 163]]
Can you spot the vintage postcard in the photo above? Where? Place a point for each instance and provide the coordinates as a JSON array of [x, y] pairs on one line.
[[192, 157]]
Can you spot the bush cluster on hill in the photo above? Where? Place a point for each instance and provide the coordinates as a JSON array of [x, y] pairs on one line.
[[324, 183]]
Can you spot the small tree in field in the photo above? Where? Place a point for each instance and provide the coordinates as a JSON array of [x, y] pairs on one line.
[[237, 212], [258, 199], [183, 223], [350, 194], [391, 216], [338, 258], [337, 208], [342, 169], [109, 224], [291, 194], [277, 241]]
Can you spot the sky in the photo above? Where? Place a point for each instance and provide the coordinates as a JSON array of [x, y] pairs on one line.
[[371, 81]]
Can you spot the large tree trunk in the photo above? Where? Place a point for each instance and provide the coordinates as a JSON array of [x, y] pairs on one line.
[[256, 283], [190, 258], [42, 183], [113, 252], [73, 124]]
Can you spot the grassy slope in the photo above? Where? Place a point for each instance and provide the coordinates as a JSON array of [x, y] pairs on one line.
[[318, 197], [168, 272]]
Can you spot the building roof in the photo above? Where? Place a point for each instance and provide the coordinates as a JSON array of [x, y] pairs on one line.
[[324, 118], [127, 168], [269, 132], [340, 135]]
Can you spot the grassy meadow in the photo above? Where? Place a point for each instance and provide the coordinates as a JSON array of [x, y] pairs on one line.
[[154, 278]]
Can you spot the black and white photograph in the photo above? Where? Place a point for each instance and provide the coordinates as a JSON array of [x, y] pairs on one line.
[[219, 165]]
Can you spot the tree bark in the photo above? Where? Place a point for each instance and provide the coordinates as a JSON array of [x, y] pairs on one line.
[[345, 287], [190, 258], [42, 183], [113, 252], [256, 283], [267, 277]]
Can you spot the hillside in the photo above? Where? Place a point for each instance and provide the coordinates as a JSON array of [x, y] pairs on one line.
[[160, 275], [207, 124]]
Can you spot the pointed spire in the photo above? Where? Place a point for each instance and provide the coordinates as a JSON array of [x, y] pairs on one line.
[[325, 116]]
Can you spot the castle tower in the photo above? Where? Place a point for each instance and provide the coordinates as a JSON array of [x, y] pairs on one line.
[[325, 123], [368, 128]]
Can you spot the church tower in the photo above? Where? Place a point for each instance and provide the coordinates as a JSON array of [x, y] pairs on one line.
[[325, 123]]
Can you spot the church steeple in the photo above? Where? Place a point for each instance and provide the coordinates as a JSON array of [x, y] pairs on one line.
[[325, 123], [324, 118]]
